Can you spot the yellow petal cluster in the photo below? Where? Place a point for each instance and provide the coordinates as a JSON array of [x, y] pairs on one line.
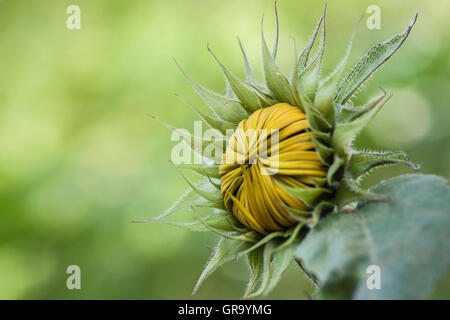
[[272, 146]]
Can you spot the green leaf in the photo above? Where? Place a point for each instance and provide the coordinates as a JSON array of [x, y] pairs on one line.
[[225, 251], [376, 57], [407, 237]]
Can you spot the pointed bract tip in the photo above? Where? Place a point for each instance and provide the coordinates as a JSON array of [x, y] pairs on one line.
[[145, 221], [413, 22], [360, 20], [382, 89], [414, 166], [179, 67]]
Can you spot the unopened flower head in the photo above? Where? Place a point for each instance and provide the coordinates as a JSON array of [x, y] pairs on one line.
[[251, 172], [280, 154]]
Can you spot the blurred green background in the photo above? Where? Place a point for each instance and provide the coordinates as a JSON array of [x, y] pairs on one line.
[[80, 158]]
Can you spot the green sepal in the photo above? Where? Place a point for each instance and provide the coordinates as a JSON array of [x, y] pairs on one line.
[[267, 238], [213, 195], [212, 121], [310, 218], [317, 122], [239, 227], [323, 151], [345, 133], [338, 162], [280, 261], [350, 191], [362, 162], [210, 204], [225, 251], [319, 182], [220, 221], [194, 142], [302, 216], [319, 209], [308, 196], [324, 137], [277, 33], [348, 113], [294, 231], [255, 264], [226, 109], [369, 63], [245, 95], [304, 55], [228, 92], [265, 275], [308, 78], [275, 80], [249, 76], [190, 198], [323, 100], [202, 169], [250, 236], [273, 264], [215, 183], [264, 98]]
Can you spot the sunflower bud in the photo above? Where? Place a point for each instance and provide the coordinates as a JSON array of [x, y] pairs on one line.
[[289, 160], [272, 146]]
